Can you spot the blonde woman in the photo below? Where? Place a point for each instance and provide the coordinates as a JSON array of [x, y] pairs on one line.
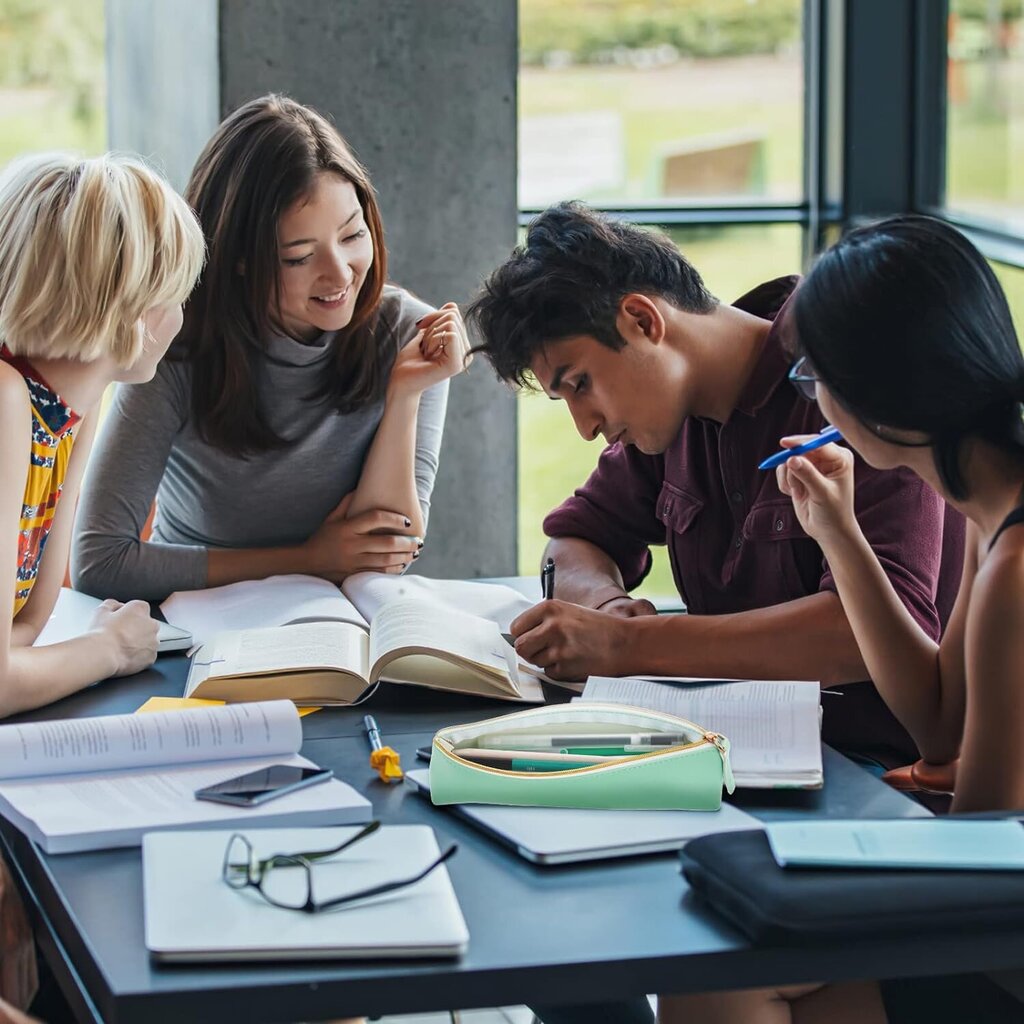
[[96, 257]]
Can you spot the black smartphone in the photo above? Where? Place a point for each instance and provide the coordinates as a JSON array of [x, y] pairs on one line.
[[259, 787]]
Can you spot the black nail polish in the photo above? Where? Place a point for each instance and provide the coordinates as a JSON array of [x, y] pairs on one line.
[[408, 522], [419, 544], [415, 554]]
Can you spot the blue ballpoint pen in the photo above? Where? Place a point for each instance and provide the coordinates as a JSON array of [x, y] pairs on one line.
[[827, 436]]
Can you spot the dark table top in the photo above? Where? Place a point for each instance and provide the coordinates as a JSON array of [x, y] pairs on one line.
[[582, 933]]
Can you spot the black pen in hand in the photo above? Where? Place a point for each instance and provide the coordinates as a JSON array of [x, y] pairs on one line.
[[547, 579]]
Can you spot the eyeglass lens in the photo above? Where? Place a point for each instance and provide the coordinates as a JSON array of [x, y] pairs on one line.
[[804, 379]]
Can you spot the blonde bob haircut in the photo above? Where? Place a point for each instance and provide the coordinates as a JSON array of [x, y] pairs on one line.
[[87, 247]]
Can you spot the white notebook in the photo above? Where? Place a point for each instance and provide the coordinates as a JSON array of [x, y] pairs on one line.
[[192, 915], [73, 613]]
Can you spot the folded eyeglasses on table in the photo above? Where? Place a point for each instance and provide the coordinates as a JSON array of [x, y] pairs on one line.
[[293, 890]]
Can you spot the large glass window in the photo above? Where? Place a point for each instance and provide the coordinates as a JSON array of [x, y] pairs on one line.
[[554, 459], [654, 101], [52, 76], [985, 128], [650, 105], [1012, 280]]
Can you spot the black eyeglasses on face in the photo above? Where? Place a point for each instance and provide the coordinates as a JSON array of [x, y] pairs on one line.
[[293, 890], [803, 378]]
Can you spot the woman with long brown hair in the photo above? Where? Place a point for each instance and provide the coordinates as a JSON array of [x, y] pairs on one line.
[[296, 425]]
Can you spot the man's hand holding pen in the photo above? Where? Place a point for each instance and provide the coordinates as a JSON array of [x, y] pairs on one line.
[[568, 641]]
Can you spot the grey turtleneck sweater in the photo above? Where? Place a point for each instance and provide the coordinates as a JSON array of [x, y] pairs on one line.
[[206, 498]]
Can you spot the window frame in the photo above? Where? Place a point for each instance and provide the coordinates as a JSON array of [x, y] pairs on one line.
[[991, 236]]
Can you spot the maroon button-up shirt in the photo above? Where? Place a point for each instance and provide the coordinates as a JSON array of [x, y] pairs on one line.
[[733, 537]]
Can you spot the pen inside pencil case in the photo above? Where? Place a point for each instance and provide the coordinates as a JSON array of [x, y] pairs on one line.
[[536, 760]]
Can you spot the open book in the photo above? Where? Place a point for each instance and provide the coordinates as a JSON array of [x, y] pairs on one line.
[[298, 637], [279, 600], [337, 662], [773, 727], [97, 783]]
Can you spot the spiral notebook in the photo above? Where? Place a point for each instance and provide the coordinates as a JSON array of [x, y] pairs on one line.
[[193, 916]]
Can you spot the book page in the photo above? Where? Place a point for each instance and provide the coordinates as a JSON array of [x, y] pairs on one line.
[[256, 603], [308, 645], [772, 726], [409, 622], [137, 741], [371, 591]]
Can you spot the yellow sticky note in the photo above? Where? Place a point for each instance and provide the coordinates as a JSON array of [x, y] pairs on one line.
[[179, 703], [175, 704]]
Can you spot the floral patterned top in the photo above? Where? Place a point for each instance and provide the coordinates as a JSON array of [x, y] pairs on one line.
[[53, 435]]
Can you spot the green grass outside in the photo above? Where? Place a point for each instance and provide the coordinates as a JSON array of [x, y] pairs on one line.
[[36, 122], [985, 156], [1012, 280]]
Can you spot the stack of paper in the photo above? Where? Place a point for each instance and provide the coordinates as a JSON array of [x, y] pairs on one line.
[[773, 726]]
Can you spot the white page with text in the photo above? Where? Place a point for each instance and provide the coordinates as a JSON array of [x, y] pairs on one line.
[[77, 745], [772, 726], [306, 645], [102, 810], [409, 622], [252, 604]]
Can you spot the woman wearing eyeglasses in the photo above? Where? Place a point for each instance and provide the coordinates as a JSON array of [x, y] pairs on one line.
[[909, 341]]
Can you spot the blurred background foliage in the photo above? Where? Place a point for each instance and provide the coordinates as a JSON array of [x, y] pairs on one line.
[[52, 76], [600, 31]]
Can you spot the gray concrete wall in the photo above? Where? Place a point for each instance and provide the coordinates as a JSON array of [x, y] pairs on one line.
[[163, 82], [425, 92]]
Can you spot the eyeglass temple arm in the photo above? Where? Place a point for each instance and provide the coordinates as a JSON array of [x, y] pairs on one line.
[[315, 855], [365, 894]]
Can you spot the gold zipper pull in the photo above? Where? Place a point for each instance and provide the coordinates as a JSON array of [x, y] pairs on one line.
[[722, 743]]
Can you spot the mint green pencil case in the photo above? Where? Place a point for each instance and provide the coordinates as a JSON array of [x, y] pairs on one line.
[[685, 776]]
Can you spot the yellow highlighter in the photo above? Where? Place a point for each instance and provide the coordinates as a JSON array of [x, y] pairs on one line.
[[384, 760]]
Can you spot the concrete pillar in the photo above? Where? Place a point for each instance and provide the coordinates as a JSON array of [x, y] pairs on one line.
[[163, 85], [425, 92]]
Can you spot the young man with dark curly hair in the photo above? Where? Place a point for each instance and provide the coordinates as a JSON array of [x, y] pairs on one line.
[[689, 395]]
